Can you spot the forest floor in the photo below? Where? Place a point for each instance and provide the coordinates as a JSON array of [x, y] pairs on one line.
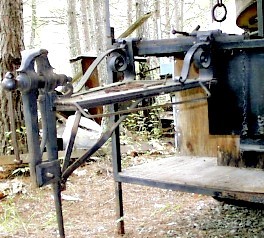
[[89, 208]]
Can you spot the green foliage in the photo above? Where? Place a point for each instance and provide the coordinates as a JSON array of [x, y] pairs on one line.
[[146, 127], [22, 138], [10, 219]]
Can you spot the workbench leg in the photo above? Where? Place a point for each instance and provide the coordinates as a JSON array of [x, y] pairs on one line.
[[119, 208], [116, 154]]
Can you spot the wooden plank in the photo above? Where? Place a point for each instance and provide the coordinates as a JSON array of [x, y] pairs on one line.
[[193, 125], [200, 172], [135, 25], [9, 159]]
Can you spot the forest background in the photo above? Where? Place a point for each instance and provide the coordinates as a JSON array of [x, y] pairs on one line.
[[69, 28]]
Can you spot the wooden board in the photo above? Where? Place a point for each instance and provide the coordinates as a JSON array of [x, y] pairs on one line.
[[193, 127], [200, 172], [193, 124], [9, 159]]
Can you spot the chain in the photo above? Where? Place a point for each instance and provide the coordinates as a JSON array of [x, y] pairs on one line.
[[244, 130]]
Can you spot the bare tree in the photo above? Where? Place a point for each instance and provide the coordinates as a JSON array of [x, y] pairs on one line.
[[73, 31], [129, 12], [139, 13], [85, 25], [33, 24], [11, 44]]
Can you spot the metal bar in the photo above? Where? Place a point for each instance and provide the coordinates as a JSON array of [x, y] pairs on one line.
[[90, 70], [260, 9], [116, 161], [116, 146], [52, 149], [170, 47], [163, 47], [58, 206], [244, 196], [71, 141], [31, 121], [167, 185], [104, 137], [119, 208], [139, 93], [180, 45]]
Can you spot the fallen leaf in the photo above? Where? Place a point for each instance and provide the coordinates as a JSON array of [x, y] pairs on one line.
[[80, 172], [2, 195], [70, 198]]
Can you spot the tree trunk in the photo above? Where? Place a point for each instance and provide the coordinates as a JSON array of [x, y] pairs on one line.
[[73, 32], [139, 13], [192, 127], [85, 26], [157, 30], [167, 19], [11, 44], [129, 13], [33, 24], [91, 24]]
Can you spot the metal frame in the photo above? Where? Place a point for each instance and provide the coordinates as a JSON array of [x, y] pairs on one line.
[[40, 85]]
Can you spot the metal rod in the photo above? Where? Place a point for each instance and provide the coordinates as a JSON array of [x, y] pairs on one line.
[[52, 150], [119, 208], [91, 69], [58, 207], [131, 110], [31, 121], [104, 137], [71, 140], [116, 161]]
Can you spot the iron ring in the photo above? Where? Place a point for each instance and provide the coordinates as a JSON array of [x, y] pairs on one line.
[[213, 12]]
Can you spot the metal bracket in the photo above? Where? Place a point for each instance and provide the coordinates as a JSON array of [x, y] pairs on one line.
[[48, 172], [200, 54]]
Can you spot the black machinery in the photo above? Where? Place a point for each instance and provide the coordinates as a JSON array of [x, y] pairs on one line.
[[230, 73]]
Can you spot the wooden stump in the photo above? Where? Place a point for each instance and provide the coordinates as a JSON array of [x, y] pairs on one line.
[[86, 61], [193, 125]]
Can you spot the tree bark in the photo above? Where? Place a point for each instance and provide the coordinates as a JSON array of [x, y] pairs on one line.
[[129, 13], [85, 26], [33, 24], [139, 13], [73, 32], [11, 44]]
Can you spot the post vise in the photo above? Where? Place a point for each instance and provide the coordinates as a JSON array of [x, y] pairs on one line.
[[38, 91]]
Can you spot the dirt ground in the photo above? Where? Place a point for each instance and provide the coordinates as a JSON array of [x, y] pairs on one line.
[[89, 209]]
